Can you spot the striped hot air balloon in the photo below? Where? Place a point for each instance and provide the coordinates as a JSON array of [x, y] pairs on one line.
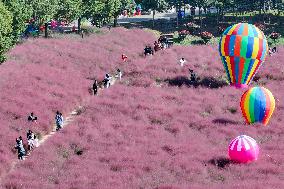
[[243, 149], [243, 48], [257, 105]]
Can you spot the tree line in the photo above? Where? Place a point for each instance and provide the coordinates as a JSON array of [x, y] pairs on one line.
[[14, 14]]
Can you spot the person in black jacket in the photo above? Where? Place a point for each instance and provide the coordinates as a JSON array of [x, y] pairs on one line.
[[193, 77], [148, 51], [20, 147], [95, 87], [32, 118]]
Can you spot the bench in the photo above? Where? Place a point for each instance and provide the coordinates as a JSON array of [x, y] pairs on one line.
[[170, 38]]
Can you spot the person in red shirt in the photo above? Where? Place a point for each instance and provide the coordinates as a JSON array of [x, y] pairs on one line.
[[123, 57], [74, 28]]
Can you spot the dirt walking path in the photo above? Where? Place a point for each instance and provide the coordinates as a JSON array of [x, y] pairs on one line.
[[69, 119]]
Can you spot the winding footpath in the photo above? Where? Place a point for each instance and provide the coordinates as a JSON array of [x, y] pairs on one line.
[[69, 119]]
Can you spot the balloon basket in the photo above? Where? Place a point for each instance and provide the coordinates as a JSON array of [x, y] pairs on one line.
[[239, 86]]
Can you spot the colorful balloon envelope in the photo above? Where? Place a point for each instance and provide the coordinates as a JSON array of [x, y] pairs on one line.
[[243, 149], [257, 105], [243, 48]]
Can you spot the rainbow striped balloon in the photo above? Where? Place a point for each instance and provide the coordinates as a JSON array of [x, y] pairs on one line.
[[243, 48], [257, 105]]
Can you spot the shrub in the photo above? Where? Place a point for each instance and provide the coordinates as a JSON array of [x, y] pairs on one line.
[[206, 36], [260, 26], [183, 33], [5, 31], [274, 35], [221, 29], [90, 29], [233, 110], [191, 26]]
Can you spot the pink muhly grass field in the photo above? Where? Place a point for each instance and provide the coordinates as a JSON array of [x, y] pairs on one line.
[[43, 76], [142, 132]]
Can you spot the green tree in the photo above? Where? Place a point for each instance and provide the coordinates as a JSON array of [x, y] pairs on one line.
[[205, 4], [177, 4], [115, 7], [68, 10], [221, 6], [97, 12], [155, 5], [6, 20], [94, 10], [21, 13], [44, 11]]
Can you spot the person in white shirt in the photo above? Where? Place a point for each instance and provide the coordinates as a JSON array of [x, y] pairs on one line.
[[61, 120], [107, 80], [118, 74], [36, 143], [30, 138], [182, 61], [30, 144]]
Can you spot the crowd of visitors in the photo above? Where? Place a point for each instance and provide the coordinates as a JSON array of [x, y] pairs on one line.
[[24, 150]]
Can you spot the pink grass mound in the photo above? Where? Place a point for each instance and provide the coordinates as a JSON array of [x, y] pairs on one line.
[[243, 149], [151, 129]]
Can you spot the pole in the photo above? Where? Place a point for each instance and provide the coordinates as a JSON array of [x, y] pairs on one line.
[[153, 18], [46, 28]]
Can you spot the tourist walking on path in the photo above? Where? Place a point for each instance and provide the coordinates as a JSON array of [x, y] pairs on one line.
[[36, 142], [32, 118], [20, 148], [118, 74], [30, 138], [95, 87], [58, 120], [107, 81]]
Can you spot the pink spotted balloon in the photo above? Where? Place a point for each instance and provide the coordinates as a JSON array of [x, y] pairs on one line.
[[243, 149]]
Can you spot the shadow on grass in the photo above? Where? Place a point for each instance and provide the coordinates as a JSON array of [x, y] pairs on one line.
[[220, 162], [208, 82], [225, 121]]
